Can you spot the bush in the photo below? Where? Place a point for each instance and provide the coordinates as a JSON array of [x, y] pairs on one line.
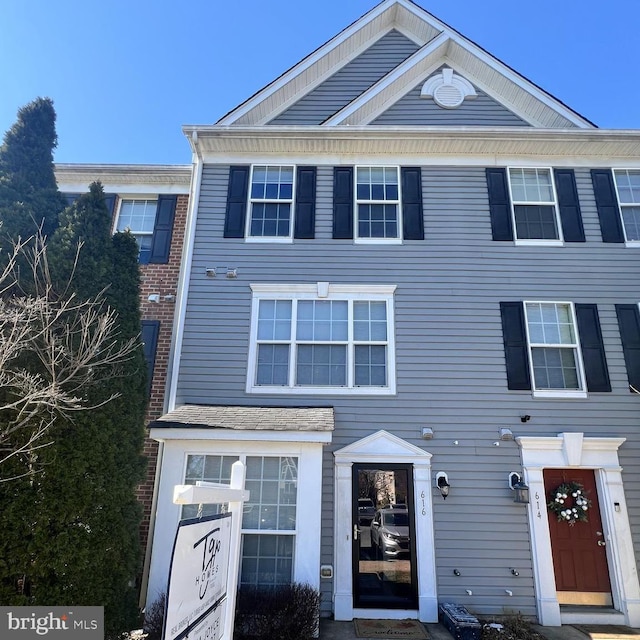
[[285, 612]]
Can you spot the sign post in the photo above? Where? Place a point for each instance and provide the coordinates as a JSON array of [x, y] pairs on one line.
[[203, 578]]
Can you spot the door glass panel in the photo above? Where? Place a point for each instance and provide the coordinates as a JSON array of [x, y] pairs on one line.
[[384, 553]]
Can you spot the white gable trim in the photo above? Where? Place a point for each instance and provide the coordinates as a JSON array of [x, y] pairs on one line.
[[327, 59], [484, 70], [518, 95], [391, 87], [483, 78], [378, 448]]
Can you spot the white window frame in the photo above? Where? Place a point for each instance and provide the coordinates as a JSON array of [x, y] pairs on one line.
[[557, 393], [330, 292], [242, 457], [535, 241], [621, 205], [307, 446], [251, 201], [356, 202], [135, 198]]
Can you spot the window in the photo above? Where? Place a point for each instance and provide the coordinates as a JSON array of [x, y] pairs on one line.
[[139, 217], [269, 519], [628, 189], [271, 202], [325, 338], [534, 210], [555, 358], [378, 203]]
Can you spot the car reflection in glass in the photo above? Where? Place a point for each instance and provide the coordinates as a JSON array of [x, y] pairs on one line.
[[390, 533]]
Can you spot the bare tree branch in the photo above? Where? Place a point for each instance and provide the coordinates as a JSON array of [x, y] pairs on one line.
[[53, 348]]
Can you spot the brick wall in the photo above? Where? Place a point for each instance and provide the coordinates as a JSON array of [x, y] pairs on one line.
[[161, 279]]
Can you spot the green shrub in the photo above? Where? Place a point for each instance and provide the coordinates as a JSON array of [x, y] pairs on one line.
[[286, 612]]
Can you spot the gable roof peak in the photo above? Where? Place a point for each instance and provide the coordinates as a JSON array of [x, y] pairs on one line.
[[437, 44]]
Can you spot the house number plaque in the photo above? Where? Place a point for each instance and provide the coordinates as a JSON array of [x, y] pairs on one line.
[[424, 508], [538, 505]]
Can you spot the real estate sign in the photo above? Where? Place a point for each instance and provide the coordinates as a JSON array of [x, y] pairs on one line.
[[198, 578]]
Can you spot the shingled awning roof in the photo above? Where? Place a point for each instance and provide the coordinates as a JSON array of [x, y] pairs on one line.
[[248, 418]]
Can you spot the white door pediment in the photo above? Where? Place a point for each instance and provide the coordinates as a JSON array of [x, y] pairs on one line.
[[381, 444]]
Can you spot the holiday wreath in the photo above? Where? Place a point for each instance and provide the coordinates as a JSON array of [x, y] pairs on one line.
[[569, 502]]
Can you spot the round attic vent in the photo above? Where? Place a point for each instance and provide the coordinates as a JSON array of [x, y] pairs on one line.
[[448, 96], [448, 89]]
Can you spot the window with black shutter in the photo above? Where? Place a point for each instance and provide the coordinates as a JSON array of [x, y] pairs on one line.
[[554, 348], [534, 205]]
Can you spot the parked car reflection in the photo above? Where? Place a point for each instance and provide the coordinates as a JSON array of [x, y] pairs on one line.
[[390, 532]]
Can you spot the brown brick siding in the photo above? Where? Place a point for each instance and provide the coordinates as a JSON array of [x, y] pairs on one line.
[[161, 279]]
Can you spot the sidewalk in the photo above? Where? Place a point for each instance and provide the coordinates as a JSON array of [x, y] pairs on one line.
[[345, 630]]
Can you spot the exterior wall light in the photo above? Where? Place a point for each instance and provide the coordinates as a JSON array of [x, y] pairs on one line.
[[442, 482], [520, 489]]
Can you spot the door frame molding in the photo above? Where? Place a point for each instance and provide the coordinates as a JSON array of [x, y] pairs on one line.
[[382, 447], [600, 454]]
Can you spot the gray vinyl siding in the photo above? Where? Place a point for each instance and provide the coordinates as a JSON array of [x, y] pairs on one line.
[[347, 84], [449, 359], [481, 111]]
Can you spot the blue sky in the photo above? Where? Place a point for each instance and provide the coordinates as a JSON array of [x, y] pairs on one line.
[[125, 75]]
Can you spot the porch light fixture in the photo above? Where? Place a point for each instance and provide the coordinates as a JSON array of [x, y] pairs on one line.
[[520, 489], [442, 482]]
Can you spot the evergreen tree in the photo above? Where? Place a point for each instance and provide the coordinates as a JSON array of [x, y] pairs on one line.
[[70, 533], [29, 196], [87, 544]]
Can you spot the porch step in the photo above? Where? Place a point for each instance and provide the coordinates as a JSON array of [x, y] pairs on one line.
[[601, 616], [608, 632]]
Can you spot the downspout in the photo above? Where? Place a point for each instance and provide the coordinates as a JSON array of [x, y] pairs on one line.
[[176, 345]]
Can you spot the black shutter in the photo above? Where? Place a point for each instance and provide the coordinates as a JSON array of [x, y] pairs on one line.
[[236, 201], [569, 205], [305, 214], [412, 214], [592, 347], [629, 324], [149, 337], [516, 352], [110, 202], [71, 197], [163, 229], [342, 202], [499, 204], [607, 205]]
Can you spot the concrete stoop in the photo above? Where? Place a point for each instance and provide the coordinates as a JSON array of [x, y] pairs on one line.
[[345, 630]]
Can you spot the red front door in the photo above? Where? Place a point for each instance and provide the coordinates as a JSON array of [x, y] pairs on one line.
[[579, 551]]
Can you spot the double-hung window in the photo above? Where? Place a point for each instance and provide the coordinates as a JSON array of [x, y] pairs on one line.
[[139, 217], [269, 517], [322, 339], [534, 205], [378, 204], [628, 189], [271, 202], [554, 349]]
